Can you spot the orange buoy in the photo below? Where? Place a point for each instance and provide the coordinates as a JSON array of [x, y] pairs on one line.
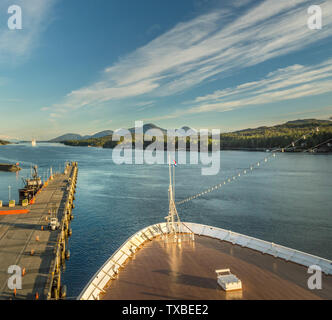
[[15, 292], [23, 272], [13, 212], [42, 228], [37, 296], [32, 252], [37, 238]]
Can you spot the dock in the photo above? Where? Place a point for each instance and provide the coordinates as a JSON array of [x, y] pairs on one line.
[[26, 240]]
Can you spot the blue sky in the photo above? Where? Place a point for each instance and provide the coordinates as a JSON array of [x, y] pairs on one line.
[[87, 66]]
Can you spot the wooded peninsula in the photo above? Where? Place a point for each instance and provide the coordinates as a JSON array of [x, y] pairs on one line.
[[257, 139]]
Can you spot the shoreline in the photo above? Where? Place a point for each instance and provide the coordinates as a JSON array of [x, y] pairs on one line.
[[9, 167]]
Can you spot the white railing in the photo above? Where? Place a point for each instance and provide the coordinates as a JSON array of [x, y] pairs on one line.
[[111, 267]]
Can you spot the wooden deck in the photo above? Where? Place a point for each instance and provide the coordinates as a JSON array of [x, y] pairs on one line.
[[168, 271]]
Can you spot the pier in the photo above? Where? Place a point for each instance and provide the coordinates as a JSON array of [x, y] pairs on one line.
[[27, 241]]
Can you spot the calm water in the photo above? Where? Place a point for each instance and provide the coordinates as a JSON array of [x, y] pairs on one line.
[[288, 201]]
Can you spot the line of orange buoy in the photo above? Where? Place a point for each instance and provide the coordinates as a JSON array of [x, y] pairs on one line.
[[9, 212]]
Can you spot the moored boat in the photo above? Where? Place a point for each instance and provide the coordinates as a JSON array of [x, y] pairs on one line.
[[31, 186]]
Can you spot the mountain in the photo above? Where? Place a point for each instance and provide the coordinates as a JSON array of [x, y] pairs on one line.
[[279, 135], [149, 126], [306, 123], [122, 131], [189, 130], [289, 125], [185, 128], [2, 142], [102, 134], [76, 137], [68, 136]]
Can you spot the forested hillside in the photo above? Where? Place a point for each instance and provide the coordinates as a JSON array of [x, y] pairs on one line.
[[2, 142], [253, 139]]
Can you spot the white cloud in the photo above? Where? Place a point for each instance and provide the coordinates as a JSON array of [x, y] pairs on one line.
[[293, 82], [209, 46], [16, 45]]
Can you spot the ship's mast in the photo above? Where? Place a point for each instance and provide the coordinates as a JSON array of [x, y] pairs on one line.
[[173, 220]]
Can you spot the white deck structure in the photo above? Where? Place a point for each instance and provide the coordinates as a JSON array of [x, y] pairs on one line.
[[227, 280]]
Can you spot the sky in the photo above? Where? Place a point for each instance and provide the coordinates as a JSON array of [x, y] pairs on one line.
[[87, 66]]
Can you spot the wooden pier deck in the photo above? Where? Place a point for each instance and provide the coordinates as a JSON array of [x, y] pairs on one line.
[[27, 242]]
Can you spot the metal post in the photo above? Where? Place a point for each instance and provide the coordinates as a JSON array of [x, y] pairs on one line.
[[173, 219], [174, 183], [9, 193]]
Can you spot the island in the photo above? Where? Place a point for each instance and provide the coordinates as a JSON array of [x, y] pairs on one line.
[[257, 139], [9, 167], [3, 143]]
